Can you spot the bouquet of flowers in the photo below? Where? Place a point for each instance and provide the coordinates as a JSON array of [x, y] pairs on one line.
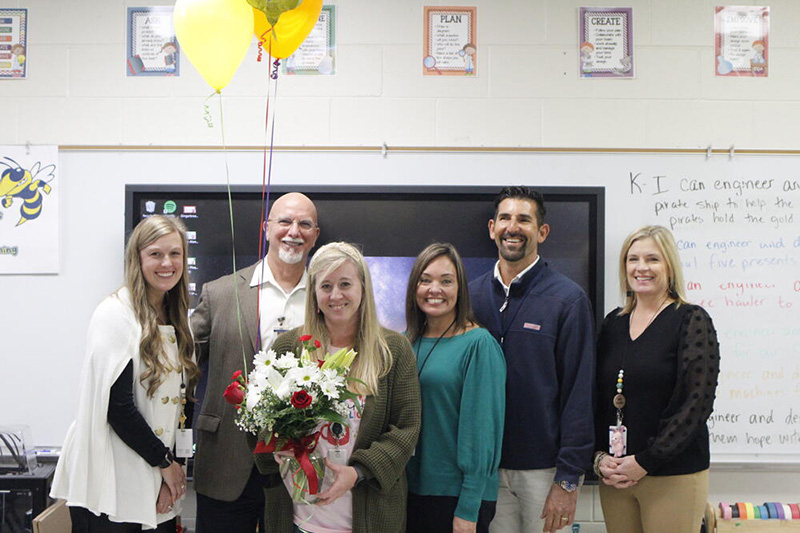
[[283, 400]]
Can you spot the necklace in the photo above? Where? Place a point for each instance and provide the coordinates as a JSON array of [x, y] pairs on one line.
[[430, 352], [619, 398]]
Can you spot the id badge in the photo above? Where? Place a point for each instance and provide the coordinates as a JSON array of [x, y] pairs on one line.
[[337, 456], [184, 443], [618, 440]]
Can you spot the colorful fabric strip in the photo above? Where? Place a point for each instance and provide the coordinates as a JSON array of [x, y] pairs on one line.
[[773, 511], [740, 511], [787, 511], [795, 511], [756, 512], [725, 510], [748, 507], [764, 512]]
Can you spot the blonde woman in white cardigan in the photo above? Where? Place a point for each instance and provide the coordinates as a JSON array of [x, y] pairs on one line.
[[117, 470]]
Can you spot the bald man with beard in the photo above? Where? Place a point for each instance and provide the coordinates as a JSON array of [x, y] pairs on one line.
[[272, 294]]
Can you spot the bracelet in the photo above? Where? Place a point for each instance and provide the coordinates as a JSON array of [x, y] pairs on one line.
[[596, 466]]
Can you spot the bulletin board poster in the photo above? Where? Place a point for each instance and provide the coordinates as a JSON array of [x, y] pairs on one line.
[[741, 36], [606, 42], [317, 54], [450, 47], [29, 198], [152, 47], [13, 44]]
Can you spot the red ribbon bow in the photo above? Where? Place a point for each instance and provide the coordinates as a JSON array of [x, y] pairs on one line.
[[301, 449]]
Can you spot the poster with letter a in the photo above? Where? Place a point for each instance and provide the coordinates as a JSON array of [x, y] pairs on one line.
[[29, 193], [741, 41], [152, 48], [606, 42], [13, 44], [451, 43]]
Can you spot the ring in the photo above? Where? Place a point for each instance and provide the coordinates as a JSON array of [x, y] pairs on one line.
[[564, 518], [183, 486]]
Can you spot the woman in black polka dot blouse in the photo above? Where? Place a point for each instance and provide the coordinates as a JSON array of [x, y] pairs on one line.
[[657, 367]]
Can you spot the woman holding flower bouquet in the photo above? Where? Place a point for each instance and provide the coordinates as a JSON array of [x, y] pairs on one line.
[[117, 470], [453, 480], [365, 487]]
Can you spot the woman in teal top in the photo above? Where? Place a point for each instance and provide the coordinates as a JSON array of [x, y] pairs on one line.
[[452, 477]]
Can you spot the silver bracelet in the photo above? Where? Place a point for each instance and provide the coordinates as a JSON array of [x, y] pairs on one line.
[[596, 466]]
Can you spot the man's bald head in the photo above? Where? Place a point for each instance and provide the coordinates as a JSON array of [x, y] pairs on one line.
[[292, 228]]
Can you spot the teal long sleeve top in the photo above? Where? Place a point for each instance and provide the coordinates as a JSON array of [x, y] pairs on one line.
[[462, 380]]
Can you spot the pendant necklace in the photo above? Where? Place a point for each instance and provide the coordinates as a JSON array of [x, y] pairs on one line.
[[430, 352]]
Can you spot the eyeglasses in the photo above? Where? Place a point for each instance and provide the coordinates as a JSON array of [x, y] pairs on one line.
[[286, 223]]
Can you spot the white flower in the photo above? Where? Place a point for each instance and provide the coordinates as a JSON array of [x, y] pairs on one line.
[[263, 358], [275, 379], [304, 376], [258, 379], [330, 389], [253, 395], [286, 389], [287, 360]]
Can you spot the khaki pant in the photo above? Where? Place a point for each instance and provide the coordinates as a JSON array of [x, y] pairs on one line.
[[657, 504], [521, 499]]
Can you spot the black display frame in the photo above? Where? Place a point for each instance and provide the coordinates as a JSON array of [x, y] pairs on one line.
[[427, 214]]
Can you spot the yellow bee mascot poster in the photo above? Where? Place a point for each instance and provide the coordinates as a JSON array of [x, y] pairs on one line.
[[29, 191]]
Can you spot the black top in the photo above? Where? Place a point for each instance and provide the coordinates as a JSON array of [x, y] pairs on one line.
[[669, 385], [129, 424]]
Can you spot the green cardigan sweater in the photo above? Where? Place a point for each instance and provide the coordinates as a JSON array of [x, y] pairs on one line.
[[386, 439]]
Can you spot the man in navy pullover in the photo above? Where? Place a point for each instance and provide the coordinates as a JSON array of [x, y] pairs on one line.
[[543, 321]]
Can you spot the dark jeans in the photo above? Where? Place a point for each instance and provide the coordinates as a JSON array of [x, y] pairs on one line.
[[84, 521], [434, 514], [239, 516]]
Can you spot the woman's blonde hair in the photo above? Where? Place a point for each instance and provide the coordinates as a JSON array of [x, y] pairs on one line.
[[176, 300], [669, 250], [374, 360]]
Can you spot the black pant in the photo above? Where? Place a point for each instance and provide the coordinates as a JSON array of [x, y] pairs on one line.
[[434, 514], [84, 521], [239, 516]]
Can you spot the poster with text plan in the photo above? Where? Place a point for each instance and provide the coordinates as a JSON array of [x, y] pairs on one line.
[[450, 47], [741, 41], [29, 192], [13, 44], [606, 42]]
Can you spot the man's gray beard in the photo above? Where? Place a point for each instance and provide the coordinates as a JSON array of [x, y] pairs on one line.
[[290, 258]]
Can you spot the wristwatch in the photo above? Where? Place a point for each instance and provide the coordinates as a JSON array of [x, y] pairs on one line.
[[566, 485], [168, 460]]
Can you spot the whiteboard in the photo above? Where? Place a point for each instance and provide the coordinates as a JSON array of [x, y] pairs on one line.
[[736, 219]]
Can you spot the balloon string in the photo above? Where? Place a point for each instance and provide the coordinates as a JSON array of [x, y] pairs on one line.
[[233, 236], [262, 235]]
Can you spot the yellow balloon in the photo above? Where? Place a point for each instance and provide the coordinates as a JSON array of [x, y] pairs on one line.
[[291, 30], [215, 34]]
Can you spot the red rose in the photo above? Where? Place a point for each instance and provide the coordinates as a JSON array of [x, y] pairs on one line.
[[301, 399], [236, 375], [234, 394], [317, 344], [305, 338]]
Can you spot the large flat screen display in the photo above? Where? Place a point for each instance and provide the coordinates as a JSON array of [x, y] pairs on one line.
[[390, 224]]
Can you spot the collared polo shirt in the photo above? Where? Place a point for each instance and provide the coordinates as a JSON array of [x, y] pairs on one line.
[[499, 278], [279, 311]]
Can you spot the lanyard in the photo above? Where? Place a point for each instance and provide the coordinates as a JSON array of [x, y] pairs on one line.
[[430, 352]]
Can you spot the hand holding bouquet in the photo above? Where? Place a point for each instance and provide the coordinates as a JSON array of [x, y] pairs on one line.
[[283, 400]]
